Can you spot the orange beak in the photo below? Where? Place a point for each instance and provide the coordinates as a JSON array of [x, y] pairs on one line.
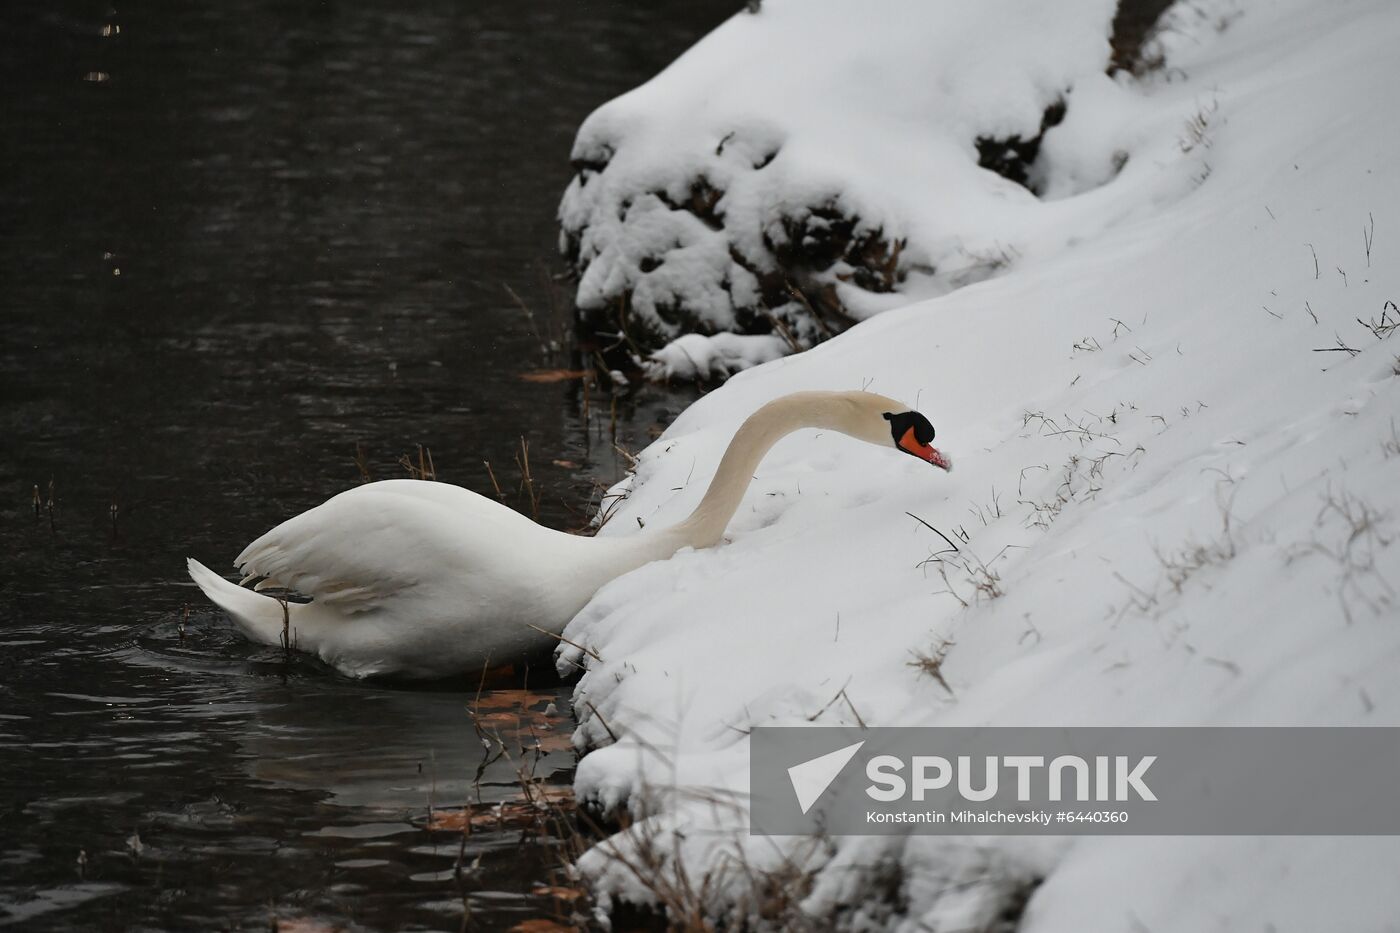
[[910, 444]]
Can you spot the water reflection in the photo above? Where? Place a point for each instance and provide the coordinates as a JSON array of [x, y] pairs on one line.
[[272, 236]]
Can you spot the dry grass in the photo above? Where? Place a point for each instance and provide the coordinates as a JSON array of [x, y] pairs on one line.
[[288, 636], [45, 505], [1083, 473], [654, 855], [931, 662], [1390, 446], [1351, 533], [730, 893], [362, 463], [511, 727], [527, 481], [1181, 565], [676, 896], [978, 583], [1197, 132], [989, 512], [985, 263], [645, 850], [551, 331], [1381, 328], [421, 467]]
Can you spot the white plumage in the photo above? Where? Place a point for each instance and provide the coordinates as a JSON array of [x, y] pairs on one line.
[[425, 579]]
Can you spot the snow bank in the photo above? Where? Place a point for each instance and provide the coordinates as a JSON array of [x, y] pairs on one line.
[[810, 165], [1177, 478], [716, 357]]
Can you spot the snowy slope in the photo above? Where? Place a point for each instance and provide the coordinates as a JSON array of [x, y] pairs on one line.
[[1177, 511]]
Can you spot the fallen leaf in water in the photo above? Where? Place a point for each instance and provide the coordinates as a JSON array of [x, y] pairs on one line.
[[511, 814], [524, 717], [542, 926], [507, 719], [514, 698], [304, 925], [515, 723], [553, 375]]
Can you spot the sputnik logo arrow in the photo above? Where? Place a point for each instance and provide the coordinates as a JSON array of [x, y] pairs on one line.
[[811, 778]]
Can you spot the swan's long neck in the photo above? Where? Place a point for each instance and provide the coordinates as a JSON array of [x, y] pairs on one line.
[[853, 413]]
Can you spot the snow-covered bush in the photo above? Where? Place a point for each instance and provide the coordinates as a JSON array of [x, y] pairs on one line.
[[809, 165]]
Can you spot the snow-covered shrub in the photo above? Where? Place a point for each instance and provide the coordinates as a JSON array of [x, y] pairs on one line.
[[807, 166]]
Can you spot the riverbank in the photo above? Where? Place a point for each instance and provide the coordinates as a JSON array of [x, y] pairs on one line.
[[1173, 417]]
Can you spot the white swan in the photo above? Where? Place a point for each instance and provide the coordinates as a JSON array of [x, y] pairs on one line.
[[423, 579]]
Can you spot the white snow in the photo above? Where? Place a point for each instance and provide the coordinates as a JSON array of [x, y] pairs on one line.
[[695, 356], [873, 109], [1177, 511]]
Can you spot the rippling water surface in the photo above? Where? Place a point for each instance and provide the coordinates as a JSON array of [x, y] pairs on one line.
[[243, 246]]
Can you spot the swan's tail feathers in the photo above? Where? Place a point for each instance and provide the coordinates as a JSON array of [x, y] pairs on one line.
[[260, 617]]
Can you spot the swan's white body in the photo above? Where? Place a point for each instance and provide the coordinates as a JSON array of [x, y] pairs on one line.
[[419, 579], [424, 579]]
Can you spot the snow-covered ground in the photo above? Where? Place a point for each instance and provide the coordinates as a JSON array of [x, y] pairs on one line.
[[1177, 492]]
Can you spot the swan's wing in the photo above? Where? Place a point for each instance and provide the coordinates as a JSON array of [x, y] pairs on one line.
[[377, 543]]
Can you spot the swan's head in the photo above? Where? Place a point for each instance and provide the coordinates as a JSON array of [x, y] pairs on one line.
[[913, 434]]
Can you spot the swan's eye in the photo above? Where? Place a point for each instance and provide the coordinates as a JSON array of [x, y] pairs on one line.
[[913, 434], [906, 421]]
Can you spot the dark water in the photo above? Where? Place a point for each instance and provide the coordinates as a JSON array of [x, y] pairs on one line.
[[238, 242]]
